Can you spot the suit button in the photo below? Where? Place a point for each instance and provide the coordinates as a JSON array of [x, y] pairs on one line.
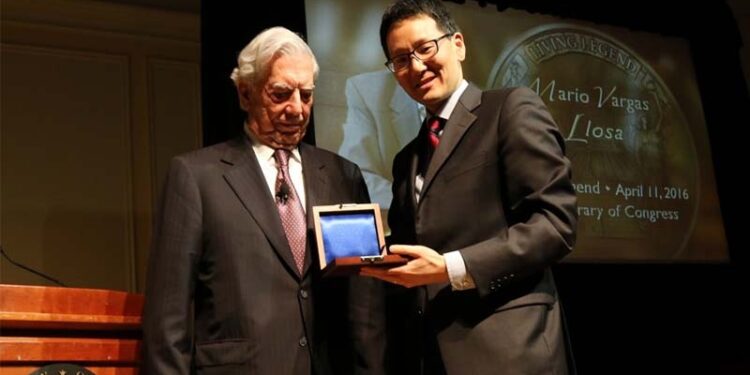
[[303, 342], [420, 312], [303, 293]]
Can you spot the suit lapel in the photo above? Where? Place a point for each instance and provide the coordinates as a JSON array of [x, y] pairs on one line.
[[459, 122], [316, 189], [413, 152], [248, 182]]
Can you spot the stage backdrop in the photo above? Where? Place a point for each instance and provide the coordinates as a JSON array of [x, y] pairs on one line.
[[626, 102]]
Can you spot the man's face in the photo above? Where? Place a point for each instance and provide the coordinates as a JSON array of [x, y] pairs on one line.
[[280, 106], [429, 82]]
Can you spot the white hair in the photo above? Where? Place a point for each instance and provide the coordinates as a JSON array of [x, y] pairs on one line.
[[253, 61]]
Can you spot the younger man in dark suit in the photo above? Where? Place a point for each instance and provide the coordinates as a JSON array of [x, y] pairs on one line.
[[483, 204], [231, 258]]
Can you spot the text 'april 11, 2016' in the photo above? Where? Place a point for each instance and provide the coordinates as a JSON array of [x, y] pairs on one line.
[[629, 201]]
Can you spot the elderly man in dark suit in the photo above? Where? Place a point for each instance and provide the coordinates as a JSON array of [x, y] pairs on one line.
[[231, 260], [483, 205]]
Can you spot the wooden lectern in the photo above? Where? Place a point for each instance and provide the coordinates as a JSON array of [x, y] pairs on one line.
[[95, 329]]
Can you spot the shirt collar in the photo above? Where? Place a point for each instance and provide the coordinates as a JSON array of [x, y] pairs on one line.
[[447, 109], [263, 151]]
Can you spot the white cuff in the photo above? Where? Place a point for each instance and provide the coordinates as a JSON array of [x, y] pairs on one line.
[[460, 279]]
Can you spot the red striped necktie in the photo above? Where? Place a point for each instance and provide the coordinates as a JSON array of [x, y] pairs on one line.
[[433, 133]]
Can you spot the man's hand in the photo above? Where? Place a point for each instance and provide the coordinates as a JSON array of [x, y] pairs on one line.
[[425, 266]]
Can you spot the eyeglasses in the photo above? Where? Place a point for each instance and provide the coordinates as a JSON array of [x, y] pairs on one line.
[[423, 52]]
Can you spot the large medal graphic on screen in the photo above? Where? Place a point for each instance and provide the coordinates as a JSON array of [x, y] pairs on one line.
[[634, 161]]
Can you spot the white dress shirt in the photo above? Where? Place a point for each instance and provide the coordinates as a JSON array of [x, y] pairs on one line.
[[270, 169]]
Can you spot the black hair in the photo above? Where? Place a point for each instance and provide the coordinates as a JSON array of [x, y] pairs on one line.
[[403, 9]]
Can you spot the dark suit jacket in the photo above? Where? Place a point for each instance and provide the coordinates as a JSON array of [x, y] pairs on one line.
[[220, 245], [498, 190]]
